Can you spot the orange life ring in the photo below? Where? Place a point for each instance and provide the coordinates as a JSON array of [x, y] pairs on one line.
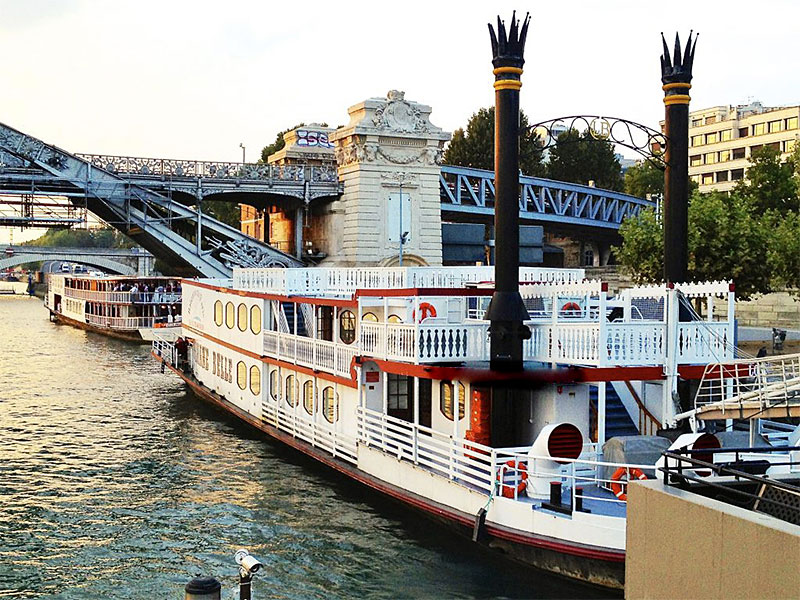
[[616, 481], [570, 308], [426, 309], [506, 489]]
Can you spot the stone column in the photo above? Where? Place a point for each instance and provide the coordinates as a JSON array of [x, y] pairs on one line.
[[390, 148]]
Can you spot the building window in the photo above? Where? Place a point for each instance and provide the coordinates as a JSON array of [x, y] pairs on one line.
[[330, 405], [759, 129], [738, 153], [218, 313], [446, 399], [370, 317], [588, 258], [743, 132], [775, 126], [791, 123], [241, 375], [291, 392], [712, 138], [737, 174], [722, 176], [241, 317], [696, 160], [708, 179], [789, 145], [308, 397], [711, 120], [255, 380], [724, 155], [697, 122], [755, 148], [697, 140], [273, 384], [255, 319], [711, 158], [726, 135], [347, 327], [230, 315], [695, 178]]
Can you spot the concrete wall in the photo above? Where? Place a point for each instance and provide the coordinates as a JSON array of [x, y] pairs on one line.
[[680, 545], [779, 309]]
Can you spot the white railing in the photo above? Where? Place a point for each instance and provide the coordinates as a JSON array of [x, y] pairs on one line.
[[165, 350], [319, 435], [123, 297], [425, 343], [343, 281], [122, 323], [310, 352]]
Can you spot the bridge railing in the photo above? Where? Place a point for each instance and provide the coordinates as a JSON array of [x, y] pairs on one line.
[[194, 169]]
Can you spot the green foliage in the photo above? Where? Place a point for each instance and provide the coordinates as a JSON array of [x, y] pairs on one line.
[[475, 146], [580, 158], [643, 178], [278, 144], [642, 250], [221, 210], [105, 237], [770, 184], [783, 253]]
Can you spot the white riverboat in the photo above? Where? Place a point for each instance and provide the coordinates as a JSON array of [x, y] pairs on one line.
[[383, 374], [124, 307]]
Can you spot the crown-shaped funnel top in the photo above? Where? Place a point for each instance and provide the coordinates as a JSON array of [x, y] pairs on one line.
[[677, 68], [508, 48]]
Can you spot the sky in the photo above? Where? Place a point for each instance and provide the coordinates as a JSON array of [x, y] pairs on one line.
[[193, 80]]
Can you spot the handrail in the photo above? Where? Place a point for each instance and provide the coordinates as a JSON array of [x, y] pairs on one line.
[[648, 422]]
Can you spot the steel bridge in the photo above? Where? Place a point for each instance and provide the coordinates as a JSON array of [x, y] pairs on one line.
[[123, 261], [158, 202]]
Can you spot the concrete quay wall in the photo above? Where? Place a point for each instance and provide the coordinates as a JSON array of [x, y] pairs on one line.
[[681, 545]]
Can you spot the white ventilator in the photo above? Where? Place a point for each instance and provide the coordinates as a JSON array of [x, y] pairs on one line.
[[690, 441], [554, 442]]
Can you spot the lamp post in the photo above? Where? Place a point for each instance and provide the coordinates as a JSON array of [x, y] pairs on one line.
[[506, 311], [241, 145]]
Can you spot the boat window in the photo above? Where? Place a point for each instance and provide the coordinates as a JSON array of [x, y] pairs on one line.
[[347, 327], [291, 392], [241, 375], [255, 380], [330, 405], [371, 317], [255, 319], [325, 323], [446, 399], [241, 317], [218, 313], [308, 397], [230, 315], [273, 384], [394, 319]]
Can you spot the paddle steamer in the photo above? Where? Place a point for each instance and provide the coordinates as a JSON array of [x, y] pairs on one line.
[[123, 307]]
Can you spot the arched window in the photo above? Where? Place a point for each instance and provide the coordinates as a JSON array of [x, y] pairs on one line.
[[308, 396], [291, 392], [394, 319], [273, 384], [330, 405], [446, 399], [218, 313], [241, 375], [370, 317], [230, 315], [241, 317], [255, 319], [255, 380], [347, 327]]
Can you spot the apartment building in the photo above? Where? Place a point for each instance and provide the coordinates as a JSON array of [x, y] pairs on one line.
[[722, 138]]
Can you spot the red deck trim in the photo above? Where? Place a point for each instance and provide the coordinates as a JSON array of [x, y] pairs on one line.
[[404, 496], [280, 363], [424, 292]]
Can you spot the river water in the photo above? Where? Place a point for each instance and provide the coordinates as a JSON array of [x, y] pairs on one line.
[[117, 483]]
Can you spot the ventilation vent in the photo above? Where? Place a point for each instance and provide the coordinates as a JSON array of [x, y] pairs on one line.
[[565, 441]]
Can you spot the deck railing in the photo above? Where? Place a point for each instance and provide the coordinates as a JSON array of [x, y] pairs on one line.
[[121, 323], [310, 352], [127, 297]]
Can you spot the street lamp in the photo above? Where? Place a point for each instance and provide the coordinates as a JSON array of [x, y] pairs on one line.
[[241, 145]]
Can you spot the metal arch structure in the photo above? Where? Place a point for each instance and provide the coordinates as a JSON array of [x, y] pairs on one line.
[[646, 141], [110, 260], [465, 191], [170, 230]]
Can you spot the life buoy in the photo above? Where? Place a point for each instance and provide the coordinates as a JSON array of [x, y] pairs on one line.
[[507, 489], [616, 480], [426, 309], [570, 309]]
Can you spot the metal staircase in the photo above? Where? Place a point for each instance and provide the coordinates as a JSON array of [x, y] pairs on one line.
[[618, 421], [182, 236]]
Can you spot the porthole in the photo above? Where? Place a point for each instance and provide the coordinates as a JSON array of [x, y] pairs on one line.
[[255, 380], [230, 315], [241, 317], [291, 393], [273, 384], [241, 375], [308, 397], [255, 319], [330, 404], [218, 313], [347, 327]]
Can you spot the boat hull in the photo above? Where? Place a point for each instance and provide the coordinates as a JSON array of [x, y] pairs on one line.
[[129, 335], [595, 565]]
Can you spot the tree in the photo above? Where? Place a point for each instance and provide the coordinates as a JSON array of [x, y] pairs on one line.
[[644, 178], [475, 146], [581, 158], [642, 250], [227, 212], [278, 144], [783, 253], [771, 184], [101, 237]]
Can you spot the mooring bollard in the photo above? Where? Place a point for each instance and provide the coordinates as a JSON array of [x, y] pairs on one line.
[[203, 588]]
